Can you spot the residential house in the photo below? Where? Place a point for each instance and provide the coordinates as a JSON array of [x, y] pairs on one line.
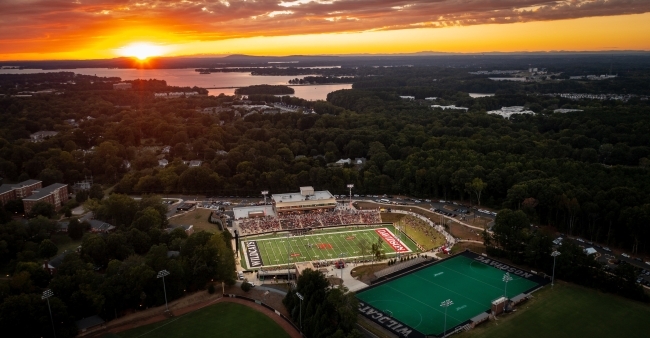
[[98, 226]]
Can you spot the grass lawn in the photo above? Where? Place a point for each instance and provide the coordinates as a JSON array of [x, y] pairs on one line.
[[219, 320], [64, 242], [569, 310], [430, 240], [198, 218]]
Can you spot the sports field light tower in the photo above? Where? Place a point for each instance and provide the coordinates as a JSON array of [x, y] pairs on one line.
[[301, 299], [264, 193], [162, 274], [446, 304], [506, 279], [46, 295], [341, 255], [350, 186], [554, 254]]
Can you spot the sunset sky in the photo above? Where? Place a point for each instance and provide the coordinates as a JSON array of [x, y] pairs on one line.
[[87, 29]]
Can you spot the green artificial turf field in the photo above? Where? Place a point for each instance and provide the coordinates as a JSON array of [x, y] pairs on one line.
[[317, 246], [219, 320], [568, 310], [415, 298]]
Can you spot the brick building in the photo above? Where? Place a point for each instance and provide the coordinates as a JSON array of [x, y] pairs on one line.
[[20, 190], [55, 194]]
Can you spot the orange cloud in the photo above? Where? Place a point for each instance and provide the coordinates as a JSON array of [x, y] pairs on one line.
[[56, 26]]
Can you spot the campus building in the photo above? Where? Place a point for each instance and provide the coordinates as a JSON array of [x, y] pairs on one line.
[[55, 194], [306, 200], [20, 190]]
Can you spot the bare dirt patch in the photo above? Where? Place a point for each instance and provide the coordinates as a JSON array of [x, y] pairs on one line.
[[461, 246], [460, 231], [478, 221]]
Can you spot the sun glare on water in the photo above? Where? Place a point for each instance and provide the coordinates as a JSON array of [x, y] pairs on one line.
[[142, 50]]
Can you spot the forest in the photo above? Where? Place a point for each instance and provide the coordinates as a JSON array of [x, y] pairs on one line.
[[584, 173]]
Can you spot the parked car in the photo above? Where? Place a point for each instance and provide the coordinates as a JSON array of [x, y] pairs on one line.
[[625, 255]]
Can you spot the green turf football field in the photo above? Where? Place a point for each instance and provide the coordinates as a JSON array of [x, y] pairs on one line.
[[415, 299], [322, 246]]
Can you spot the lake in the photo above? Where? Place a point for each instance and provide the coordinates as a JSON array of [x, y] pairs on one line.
[[190, 78]]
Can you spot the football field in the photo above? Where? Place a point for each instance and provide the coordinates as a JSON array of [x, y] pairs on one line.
[[334, 244]]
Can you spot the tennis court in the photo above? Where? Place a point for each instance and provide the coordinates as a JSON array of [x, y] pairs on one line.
[[413, 301], [319, 246]]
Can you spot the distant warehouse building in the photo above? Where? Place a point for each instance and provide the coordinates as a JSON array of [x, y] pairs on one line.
[[306, 200], [55, 194]]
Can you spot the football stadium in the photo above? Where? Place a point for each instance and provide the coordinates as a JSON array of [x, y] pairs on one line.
[[310, 226], [447, 296]]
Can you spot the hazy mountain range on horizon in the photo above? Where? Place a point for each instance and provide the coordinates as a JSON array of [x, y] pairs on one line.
[[424, 58]]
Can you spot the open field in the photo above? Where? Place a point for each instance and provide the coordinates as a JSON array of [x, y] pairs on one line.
[[569, 311], [64, 242], [219, 320], [331, 245], [421, 232], [198, 218]]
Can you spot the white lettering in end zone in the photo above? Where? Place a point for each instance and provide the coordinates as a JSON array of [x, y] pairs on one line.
[[389, 238]]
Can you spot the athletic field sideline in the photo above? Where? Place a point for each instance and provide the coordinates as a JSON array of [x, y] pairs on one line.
[[331, 245], [470, 281]]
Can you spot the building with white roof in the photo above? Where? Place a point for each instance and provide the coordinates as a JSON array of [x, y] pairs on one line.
[[506, 112], [306, 200]]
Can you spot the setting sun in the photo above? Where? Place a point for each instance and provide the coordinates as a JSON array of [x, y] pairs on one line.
[[141, 50]]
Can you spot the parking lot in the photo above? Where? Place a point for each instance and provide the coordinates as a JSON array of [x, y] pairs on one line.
[[611, 260]]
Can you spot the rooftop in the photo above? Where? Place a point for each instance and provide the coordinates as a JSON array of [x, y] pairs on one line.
[[45, 191], [243, 212], [296, 197], [100, 225], [9, 187]]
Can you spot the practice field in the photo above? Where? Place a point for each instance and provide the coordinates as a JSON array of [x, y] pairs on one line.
[[330, 245], [568, 311], [413, 301], [219, 320]]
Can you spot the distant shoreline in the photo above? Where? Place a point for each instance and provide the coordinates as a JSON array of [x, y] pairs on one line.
[[293, 85]]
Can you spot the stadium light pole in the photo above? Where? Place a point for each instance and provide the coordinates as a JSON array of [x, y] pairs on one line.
[[554, 254], [46, 295], [446, 304], [264, 193], [162, 274], [506, 279], [341, 255], [350, 186], [301, 298], [288, 256]]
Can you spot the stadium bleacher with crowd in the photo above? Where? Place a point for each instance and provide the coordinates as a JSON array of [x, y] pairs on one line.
[[315, 219]]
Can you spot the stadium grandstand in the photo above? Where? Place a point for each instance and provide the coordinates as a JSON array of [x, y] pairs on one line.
[[297, 212]]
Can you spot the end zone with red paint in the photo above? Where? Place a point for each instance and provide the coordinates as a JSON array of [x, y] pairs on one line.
[[389, 238]]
